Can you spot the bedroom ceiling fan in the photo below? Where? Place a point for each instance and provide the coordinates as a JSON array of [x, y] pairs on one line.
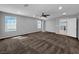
[[44, 15]]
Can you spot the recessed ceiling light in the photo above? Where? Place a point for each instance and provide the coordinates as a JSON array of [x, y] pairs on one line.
[[60, 7], [64, 13]]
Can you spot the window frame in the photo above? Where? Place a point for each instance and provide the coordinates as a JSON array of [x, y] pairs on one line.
[[39, 24], [10, 21]]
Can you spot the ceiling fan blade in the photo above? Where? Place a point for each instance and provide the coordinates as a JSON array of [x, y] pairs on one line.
[[47, 15]]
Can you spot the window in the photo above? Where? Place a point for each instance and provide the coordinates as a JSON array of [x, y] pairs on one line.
[[39, 24], [10, 23]]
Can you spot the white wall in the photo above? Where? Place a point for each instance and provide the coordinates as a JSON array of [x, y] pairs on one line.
[[24, 25], [51, 25], [0, 25]]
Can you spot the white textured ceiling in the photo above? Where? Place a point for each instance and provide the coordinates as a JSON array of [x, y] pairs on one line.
[[36, 9]]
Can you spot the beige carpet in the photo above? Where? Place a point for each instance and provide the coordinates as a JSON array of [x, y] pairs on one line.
[[40, 43]]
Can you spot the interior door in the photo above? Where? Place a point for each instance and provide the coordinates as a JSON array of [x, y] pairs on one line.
[[72, 27]]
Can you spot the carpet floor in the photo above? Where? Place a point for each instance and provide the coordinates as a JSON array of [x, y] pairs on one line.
[[40, 43]]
